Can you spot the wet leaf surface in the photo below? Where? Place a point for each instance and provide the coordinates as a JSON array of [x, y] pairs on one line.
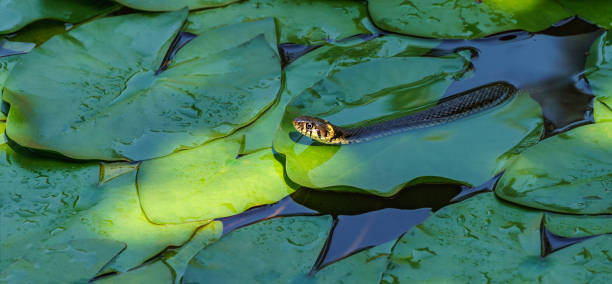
[[15, 14], [208, 90], [597, 11], [382, 166], [163, 5], [578, 225], [209, 182], [464, 18], [307, 22], [472, 238], [568, 173], [318, 64], [10, 53]]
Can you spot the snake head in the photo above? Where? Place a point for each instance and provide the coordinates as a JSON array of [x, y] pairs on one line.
[[317, 129]]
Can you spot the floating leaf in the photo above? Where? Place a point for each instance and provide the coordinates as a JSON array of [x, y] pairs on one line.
[[464, 18], [569, 173], [597, 11], [466, 242], [76, 261], [574, 226], [210, 89], [164, 5], [307, 22], [374, 91], [156, 272], [209, 182], [602, 109], [180, 257], [17, 13], [16, 49], [599, 73], [318, 64]]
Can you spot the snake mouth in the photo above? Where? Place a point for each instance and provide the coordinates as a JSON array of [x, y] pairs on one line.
[[315, 128]]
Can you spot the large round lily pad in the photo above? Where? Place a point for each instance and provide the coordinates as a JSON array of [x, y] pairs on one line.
[[209, 182], [14, 14], [307, 22], [464, 18], [116, 106], [483, 239], [570, 172], [318, 64], [165, 5], [374, 91]]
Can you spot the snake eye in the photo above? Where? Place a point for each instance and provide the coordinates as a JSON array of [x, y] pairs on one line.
[[308, 125]]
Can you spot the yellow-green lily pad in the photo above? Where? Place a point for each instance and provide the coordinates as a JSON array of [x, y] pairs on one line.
[[209, 182], [464, 18], [165, 5]]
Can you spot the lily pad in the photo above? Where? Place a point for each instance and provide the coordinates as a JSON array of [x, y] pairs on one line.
[[468, 241], [215, 85], [15, 14], [597, 11], [156, 272], [318, 64], [209, 182], [306, 22], [179, 258], [573, 226], [368, 92], [164, 5], [580, 184], [464, 18], [17, 49], [271, 251], [602, 109]]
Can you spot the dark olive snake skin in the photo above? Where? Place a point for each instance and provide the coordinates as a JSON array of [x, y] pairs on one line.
[[447, 110]]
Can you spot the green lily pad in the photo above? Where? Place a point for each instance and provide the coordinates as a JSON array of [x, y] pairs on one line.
[[156, 272], [8, 62], [76, 261], [115, 107], [468, 242], [375, 90], [597, 11], [15, 14], [574, 226], [49, 206], [580, 184], [602, 109], [179, 258], [306, 22], [318, 64], [164, 5], [209, 182], [271, 251], [464, 18]]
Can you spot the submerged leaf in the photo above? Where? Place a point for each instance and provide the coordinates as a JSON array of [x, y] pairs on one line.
[[570, 173], [116, 106], [371, 92], [464, 18], [209, 182], [14, 14], [482, 239]]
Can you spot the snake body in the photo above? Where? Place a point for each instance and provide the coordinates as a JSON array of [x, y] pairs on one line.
[[449, 109]]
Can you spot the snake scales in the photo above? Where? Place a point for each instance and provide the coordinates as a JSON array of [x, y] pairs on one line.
[[448, 109]]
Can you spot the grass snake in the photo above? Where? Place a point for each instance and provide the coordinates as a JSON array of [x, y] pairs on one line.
[[446, 110]]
